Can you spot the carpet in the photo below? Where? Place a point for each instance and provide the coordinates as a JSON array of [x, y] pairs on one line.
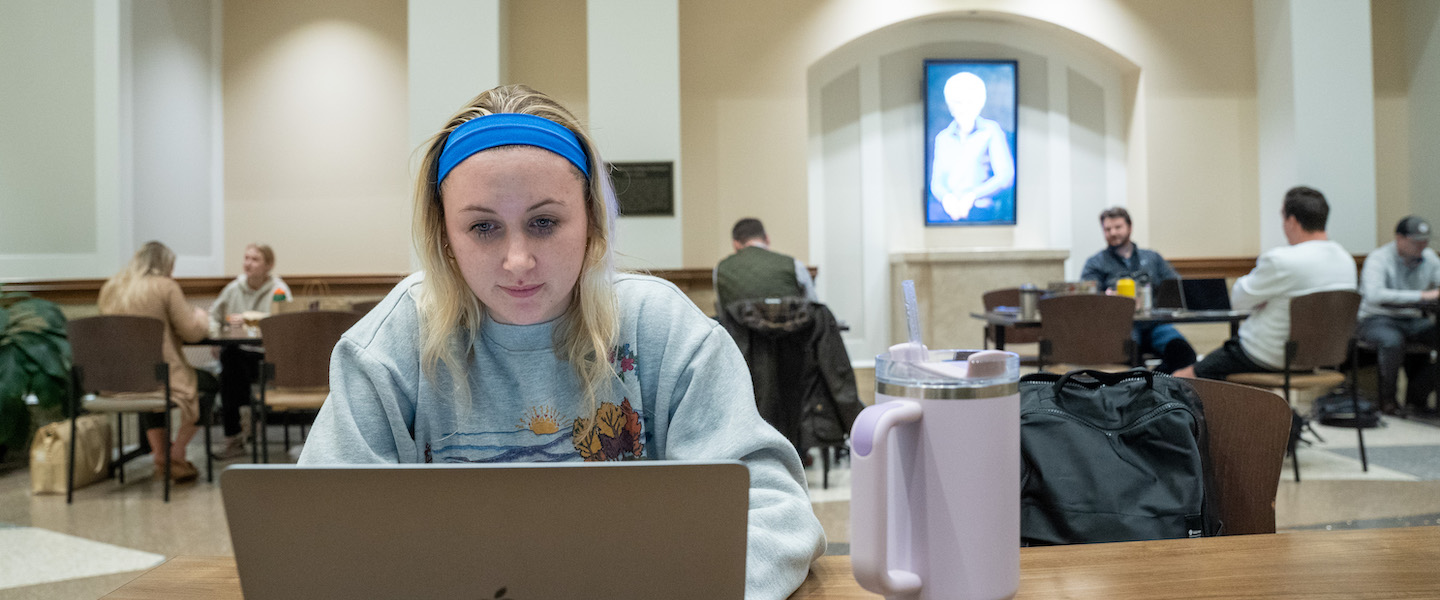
[[30, 556], [1420, 461]]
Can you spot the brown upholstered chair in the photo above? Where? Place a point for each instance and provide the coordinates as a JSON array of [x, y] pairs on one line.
[[119, 367], [1322, 326], [295, 374], [1087, 330], [1009, 297], [1249, 429]]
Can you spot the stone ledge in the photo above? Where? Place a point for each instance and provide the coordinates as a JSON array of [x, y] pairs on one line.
[[979, 255]]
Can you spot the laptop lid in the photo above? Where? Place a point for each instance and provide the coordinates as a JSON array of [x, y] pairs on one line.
[[574, 530], [1167, 295], [1205, 294]]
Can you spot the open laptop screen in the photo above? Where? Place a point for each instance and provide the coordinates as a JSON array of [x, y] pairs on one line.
[[1205, 294], [1167, 295]]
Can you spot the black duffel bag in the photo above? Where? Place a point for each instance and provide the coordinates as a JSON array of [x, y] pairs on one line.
[[1109, 457]]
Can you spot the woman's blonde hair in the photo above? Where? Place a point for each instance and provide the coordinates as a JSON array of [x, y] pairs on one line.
[[450, 314], [152, 259], [265, 251]]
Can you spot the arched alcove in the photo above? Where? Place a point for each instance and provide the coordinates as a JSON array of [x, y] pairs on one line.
[[1075, 152]]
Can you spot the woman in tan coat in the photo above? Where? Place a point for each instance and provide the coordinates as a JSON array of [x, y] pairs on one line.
[[145, 288]]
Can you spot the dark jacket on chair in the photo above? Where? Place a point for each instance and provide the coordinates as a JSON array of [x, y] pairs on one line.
[[804, 385]]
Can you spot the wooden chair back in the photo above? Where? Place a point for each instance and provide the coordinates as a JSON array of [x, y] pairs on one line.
[[1321, 326], [299, 345], [1249, 428], [1087, 329], [1008, 297], [117, 353]]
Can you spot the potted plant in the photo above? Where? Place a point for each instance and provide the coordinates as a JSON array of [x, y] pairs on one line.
[[34, 359]]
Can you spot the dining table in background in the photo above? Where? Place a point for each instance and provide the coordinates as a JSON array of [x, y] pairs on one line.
[[1004, 320]]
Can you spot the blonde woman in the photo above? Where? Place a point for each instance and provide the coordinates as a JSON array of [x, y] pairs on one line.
[[145, 288], [252, 291], [519, 342]]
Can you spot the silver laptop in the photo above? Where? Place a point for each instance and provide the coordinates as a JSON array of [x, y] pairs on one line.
[[523, 532]]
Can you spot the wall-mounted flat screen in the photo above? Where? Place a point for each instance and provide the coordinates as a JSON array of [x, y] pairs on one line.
[[970, 124]]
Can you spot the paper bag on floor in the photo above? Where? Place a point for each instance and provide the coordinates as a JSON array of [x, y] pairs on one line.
[[49, 454]]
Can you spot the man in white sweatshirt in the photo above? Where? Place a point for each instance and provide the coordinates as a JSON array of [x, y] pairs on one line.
[[1311, 263]]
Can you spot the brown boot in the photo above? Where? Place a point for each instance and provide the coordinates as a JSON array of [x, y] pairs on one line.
[[183, 472]]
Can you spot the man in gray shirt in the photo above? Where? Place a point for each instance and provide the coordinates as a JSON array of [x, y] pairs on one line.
[[1402, 271]]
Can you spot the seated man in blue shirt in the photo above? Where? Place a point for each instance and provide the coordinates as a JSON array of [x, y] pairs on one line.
[[1124, 259]]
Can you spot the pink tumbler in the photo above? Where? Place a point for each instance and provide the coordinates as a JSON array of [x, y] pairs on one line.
[[935, 477]]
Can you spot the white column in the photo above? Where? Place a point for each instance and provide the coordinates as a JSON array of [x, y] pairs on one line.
[[634, 74], [1316, 113], [1422, 44], [456, 49]]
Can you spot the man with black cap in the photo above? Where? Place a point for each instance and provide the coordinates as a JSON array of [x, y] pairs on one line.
[[1402, 271]]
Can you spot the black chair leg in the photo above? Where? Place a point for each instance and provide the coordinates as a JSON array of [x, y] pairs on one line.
[[206, 410], [1355, 403], [70, 464], [254, 432], [167, 450], [824, 467], [264, 433], [286, 425], [119, 446]]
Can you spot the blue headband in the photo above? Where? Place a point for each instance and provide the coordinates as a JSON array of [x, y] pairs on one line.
[[510, 129]]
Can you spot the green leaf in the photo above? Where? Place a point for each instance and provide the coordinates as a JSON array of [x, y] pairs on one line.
[[13, 379], [14, 421], [40, 316], [4, 319], [45, 356], [50, 391]]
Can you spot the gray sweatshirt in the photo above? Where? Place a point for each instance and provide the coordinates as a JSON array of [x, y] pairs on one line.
[[238, 297], [1386, 278], [683, 393]]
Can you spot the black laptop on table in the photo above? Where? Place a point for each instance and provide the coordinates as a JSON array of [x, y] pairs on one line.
[[1192, 295]]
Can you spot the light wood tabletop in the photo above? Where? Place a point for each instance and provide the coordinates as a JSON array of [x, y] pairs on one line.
[[1313, 565]]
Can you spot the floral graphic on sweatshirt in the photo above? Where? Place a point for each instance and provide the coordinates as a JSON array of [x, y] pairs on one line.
[[617, 435], [626, 360]]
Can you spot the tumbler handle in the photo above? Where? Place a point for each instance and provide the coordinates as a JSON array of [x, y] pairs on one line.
[[869, 498]]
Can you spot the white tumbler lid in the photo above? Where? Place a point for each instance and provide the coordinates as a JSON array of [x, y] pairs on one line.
[[983, 373]]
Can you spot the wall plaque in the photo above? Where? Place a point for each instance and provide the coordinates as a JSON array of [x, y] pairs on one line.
[[644, 188]]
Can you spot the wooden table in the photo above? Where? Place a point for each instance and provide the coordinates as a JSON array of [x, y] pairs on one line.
[[1311, 565], [1006, 320]]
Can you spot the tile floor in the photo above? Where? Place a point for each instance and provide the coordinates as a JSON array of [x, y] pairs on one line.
[[1402, 488]]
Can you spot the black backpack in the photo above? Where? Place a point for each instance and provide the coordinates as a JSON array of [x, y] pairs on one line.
[[1108, 457], [1337, 409]]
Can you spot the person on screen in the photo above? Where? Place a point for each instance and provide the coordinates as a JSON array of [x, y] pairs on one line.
[[972, 161], [519, 341]]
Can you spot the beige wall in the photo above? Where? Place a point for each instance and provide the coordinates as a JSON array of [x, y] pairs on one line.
[[315, 134], [1392, 138], [743, 67], [547, 50], [47, 129]]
